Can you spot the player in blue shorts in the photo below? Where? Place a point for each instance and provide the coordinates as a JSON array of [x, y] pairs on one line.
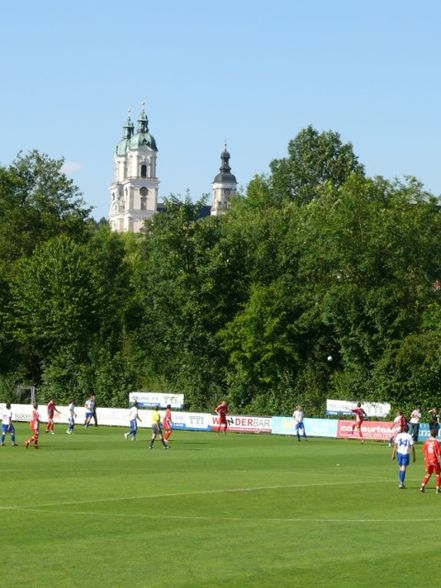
[[7, 425], [133, 422], [403, 444], [89, 408], [299, 426]]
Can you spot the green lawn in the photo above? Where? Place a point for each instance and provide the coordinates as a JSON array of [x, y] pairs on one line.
[[92, 509]]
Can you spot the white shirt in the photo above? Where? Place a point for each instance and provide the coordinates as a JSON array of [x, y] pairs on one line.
[[71, 409], [403, 443], [298, 416], [7, 416], [415, 416], [133, 413]]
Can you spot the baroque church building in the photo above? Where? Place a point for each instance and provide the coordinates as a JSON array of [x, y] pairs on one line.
[[134, 191]]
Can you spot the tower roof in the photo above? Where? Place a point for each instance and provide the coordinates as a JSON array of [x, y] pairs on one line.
[[132, 140], [224, 175]]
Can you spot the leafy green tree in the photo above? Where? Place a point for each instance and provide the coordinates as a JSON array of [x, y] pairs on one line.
[[37, 202], [371, 256], [53, 306], [110, 275], [313, 159]]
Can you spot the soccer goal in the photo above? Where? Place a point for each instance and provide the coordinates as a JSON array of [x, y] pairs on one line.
[[26, 394]]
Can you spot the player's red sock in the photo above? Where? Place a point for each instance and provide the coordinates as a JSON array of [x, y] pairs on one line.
[[426, 479], [438, 480]]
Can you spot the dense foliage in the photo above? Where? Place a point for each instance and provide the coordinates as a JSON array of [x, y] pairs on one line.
[[314, 261]]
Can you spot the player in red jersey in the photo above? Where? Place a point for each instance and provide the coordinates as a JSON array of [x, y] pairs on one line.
[[397, 426], [51, 410], [360, 415], [34, 425], [432, 459], [167, 423], [222, 411]]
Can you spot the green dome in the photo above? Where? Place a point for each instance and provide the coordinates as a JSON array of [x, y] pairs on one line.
[[141, 139]]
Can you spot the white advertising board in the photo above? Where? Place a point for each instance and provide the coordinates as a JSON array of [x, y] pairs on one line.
[[154, 399], [373, 409]]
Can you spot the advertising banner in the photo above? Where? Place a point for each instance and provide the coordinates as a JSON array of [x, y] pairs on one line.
[[191, 421], [243, 424], [313, 427], [372, 409], [424, 432], [378, 430], [154, 399]]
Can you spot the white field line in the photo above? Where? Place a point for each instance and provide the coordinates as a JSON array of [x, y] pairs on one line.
[[210, 518], [193, 493]]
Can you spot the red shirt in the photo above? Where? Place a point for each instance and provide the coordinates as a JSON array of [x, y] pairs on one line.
[[35, 419], [359, 413], [166, 422], [431, 451], [51, 409], [222, 410]]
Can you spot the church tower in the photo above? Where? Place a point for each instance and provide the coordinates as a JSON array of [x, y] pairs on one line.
[[134, 191], [224, 185]]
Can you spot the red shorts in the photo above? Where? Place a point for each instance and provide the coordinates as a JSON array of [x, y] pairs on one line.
[[433, 468]]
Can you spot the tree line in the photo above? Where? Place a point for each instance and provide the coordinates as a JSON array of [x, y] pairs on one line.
[[318, 282]]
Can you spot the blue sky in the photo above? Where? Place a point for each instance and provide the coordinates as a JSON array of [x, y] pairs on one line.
[[250, 72]]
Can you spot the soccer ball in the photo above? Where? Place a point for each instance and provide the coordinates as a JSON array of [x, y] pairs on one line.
[[330, 358]]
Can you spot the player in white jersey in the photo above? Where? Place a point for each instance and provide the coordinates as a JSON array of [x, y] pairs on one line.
[[133, 421], [298, 416], [7, 425], [72, 417], [403, 445], [89, 408]]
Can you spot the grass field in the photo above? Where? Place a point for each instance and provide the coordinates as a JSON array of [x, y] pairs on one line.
[[92, 509]]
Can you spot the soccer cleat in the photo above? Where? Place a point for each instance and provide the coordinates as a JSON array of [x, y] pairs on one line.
[[15, 445], [438, 491], [422, 489], [401, 486], [2, 444], [126, 435]]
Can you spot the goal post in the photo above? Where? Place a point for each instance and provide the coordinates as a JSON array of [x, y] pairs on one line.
[[26, 394]]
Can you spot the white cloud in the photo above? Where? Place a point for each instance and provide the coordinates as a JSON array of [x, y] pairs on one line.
[[70, 167]]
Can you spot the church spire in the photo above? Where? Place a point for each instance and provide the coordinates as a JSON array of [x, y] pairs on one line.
[[128, 128], [143, 121], [224, 185], [225, 158]]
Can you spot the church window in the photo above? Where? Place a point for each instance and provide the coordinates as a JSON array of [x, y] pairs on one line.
[[143, 171], [143, 192]]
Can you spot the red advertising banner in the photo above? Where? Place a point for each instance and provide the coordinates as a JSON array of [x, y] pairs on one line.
[[244, 424], [380, 431]]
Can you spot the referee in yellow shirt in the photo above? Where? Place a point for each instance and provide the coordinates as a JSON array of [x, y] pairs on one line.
[[156, 429]]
